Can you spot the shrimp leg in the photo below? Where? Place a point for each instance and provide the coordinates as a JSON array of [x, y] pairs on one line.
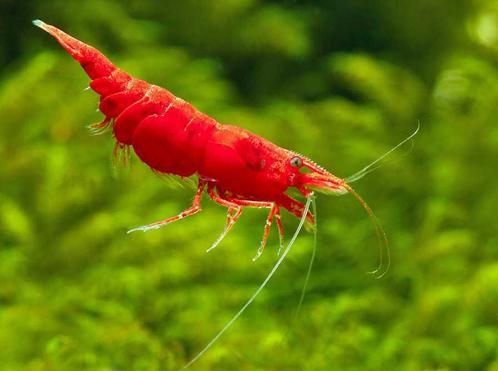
[[274, 211], [280, 229], [233, 214], [194, 209], [296, 208], [269, 221]]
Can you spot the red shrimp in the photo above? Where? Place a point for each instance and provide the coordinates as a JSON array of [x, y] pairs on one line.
[[238, 168]]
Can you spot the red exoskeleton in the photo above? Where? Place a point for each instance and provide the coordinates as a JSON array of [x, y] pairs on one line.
[[237, 168]]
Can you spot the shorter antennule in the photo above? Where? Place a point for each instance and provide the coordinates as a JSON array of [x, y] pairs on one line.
[[377, 163]]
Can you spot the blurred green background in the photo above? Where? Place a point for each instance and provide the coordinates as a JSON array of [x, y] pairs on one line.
[[339, 81]]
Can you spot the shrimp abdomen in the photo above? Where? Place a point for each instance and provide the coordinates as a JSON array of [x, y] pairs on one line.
[[128, 103], [173, 141]]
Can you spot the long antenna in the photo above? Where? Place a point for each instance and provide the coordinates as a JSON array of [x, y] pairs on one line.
[[267, 279], [312, 260]]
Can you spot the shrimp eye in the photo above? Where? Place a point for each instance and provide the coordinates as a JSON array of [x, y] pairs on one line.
[[296, 161]]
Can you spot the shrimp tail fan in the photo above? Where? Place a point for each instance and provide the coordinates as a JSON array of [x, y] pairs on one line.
[[93, 61], [123, 98]]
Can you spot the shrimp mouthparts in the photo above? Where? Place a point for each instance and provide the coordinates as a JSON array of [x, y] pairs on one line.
[[327, 184]]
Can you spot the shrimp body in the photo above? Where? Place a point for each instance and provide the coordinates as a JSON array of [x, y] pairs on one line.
[[238, 168]]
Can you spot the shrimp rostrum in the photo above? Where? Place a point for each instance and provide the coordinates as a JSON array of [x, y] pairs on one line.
[[237, 168]]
